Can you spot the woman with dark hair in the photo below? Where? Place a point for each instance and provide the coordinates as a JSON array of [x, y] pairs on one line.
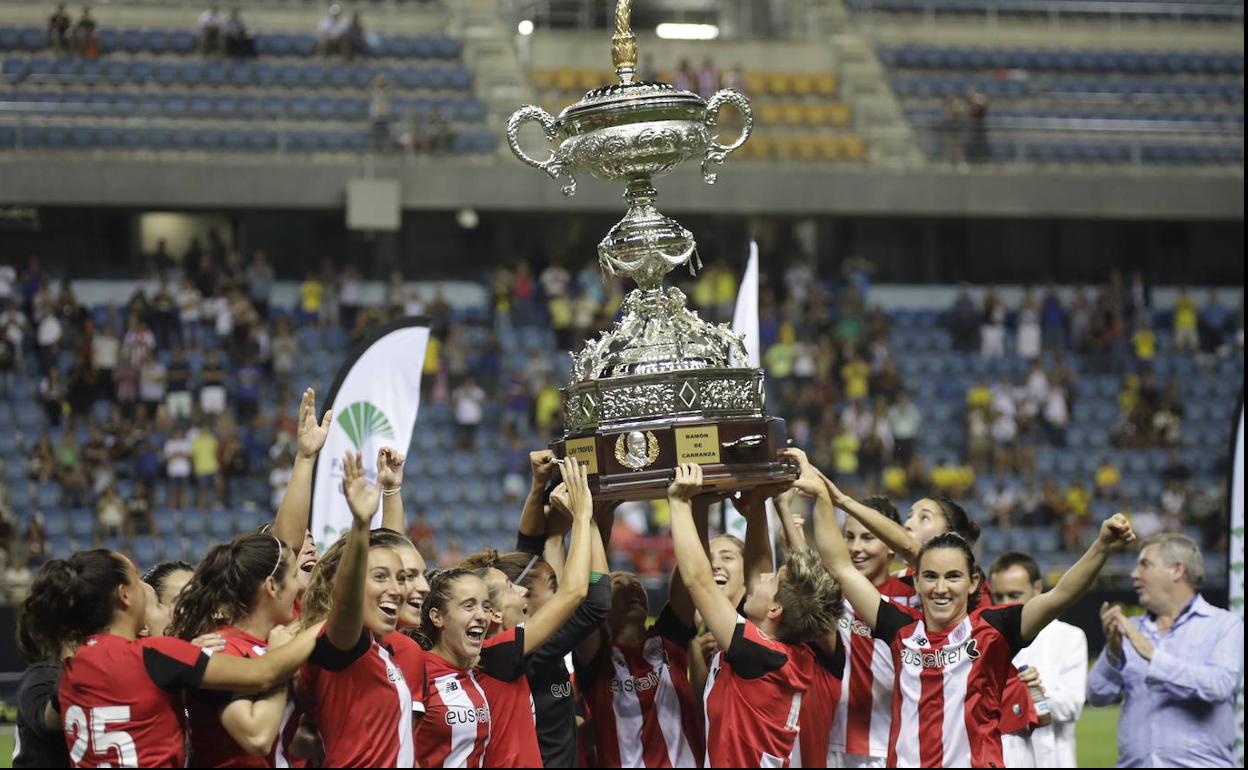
[[240, 591], [95, 599], [951, 657], [361, 680], [40, 741], [512, 635]]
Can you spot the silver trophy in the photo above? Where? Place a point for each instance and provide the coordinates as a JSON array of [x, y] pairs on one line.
[[661, 387]]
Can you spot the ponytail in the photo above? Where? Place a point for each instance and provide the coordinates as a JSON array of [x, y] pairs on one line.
[[440, 584], [70, 599], [224, 586], [957, 520]]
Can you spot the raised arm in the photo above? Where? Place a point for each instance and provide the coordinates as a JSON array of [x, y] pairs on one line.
[[757, 553], [390, 479], [1115, 533], [691, 559], [574, 585], [893, 534], [346, 617], [862, 595], [291, 523], [533, 518], [792, 524]]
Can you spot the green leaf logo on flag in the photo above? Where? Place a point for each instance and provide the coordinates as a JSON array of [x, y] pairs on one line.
[[362, 421]]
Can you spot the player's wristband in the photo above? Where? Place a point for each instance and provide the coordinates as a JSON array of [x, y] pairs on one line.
[[391, 491]]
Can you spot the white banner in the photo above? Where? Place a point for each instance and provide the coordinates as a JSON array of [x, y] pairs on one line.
[[745, 323], [375, 399], [1236, 574]]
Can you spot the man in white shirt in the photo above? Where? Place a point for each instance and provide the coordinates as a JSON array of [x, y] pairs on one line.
[[1056, 661], [209, 30]]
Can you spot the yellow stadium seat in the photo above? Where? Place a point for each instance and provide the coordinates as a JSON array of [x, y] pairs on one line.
[[855, 148], [565, 79], [825, 84], [814, 114], [829, 147], [802, 83], [542, 79], [806, 147], [778, 83], [794, 114], [755, 84], [769, 113], [838, 115]]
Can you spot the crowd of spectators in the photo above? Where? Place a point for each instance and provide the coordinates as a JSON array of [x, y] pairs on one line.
[[197, 434]]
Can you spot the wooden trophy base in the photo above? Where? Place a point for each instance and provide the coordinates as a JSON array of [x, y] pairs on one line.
[[638, 463]]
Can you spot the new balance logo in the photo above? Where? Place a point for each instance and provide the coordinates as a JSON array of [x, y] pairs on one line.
[[451, 686]]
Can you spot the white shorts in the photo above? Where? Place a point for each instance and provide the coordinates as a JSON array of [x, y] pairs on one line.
[[841, 759]]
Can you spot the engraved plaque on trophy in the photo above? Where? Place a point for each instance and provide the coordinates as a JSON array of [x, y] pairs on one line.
[[663, 386]]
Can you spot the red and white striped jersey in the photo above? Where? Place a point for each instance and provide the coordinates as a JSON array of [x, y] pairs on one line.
[[121, 700], [513, 729], [754, 699], [864, 715], [642, 708], [362, 699], [948, 685], [459, 727], [819, 708]]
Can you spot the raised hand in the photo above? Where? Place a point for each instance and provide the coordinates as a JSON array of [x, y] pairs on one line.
[[687, 484], [809, 483], [389, 468], [576, 480], [1116, 532], [312, 435], [542, 464], [560, 500], [362, 497]]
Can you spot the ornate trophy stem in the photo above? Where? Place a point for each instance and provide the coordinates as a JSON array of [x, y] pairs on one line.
[[624, 43]]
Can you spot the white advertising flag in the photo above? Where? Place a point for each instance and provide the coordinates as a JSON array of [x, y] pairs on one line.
[[375, 398], [745, 323]]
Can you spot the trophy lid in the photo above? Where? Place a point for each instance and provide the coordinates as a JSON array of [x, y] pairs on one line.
[[619, 99]]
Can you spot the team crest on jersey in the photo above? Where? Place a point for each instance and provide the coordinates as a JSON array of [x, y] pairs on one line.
[[653, 650]]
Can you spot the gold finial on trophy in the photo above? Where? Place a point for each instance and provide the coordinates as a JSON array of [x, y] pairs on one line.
[[624, 42]]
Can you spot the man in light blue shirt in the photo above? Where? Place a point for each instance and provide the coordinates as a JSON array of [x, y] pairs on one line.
[[1176, 668]]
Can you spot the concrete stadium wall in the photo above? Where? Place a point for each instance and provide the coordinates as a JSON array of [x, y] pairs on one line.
[[504, 185], [592, 49]]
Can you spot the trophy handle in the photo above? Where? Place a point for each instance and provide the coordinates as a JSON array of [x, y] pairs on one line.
[[553, 165], [716, 152]]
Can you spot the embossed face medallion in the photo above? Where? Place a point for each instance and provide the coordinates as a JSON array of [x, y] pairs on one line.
[[636, 450]]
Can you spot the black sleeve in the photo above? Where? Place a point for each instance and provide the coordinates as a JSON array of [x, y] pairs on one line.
[[534, 545], [1009, 621], [586, 619], [325, 655], [169, 673], [751, 660], [670, 628], [37, 687], [505, 661], [832, 662], [889, 621]]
